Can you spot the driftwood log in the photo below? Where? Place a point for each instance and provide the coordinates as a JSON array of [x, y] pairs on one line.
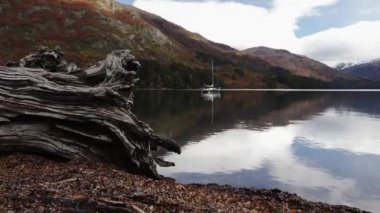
[[52, 107]]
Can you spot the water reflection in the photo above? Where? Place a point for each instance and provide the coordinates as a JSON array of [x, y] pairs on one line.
[[322, 146], [211, 96]]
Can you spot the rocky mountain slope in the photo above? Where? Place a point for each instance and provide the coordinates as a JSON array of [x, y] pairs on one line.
[[296, 64], [367, 70], [172, 57]]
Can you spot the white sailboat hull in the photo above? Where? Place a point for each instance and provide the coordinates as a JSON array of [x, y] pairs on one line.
[[210, 90]]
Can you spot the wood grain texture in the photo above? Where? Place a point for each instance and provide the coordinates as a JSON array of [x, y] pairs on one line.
[[53, 107]]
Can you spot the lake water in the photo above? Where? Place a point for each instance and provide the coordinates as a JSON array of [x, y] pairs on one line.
[[324, 146]]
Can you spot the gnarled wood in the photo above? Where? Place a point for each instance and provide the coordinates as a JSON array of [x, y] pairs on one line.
[[50, 106]]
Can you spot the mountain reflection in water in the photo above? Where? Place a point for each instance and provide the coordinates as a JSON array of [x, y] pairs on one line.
[[324, 146]]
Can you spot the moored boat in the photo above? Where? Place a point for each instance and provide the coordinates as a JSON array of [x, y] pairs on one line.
[[211, 88]]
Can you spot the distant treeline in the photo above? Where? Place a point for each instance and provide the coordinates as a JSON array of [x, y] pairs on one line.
[[154, 74], [174, 76]]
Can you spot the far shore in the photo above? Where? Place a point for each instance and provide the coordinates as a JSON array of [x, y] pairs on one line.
[[269, 90]]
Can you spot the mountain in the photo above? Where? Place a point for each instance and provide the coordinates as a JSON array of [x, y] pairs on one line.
[[367, 70], [297, 64], [172, 57]]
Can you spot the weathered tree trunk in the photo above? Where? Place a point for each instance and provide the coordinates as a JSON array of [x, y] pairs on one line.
[[49, 106]]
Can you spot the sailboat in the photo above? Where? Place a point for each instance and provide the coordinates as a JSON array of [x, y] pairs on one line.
[[210, 89]]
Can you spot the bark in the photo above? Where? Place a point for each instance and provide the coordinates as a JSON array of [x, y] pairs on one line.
[[53, 107]]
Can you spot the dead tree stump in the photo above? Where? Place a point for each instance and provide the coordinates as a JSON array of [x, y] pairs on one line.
[[52, 107]]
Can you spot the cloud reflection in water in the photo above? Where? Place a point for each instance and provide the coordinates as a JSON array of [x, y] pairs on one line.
[[238, 150]]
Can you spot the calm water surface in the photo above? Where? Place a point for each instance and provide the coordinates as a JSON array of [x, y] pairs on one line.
[[324, 146]]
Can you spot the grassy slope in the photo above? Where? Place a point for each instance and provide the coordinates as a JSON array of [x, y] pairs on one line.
[[297, 64], [85, 29]]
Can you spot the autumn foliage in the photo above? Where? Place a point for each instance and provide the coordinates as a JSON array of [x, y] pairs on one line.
[[68, 23], [128, 18]]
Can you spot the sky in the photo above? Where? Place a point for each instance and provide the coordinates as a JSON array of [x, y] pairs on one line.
[[331, 31]]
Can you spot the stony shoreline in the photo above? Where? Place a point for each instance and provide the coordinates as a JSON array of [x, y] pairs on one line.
[[30, 183]]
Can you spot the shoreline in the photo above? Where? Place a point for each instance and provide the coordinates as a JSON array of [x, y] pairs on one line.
[[31, 182], [265, 90]]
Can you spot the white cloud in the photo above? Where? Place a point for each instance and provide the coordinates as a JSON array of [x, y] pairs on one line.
[[244, 26], [221, 21], [236, 24], [354, 43]]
